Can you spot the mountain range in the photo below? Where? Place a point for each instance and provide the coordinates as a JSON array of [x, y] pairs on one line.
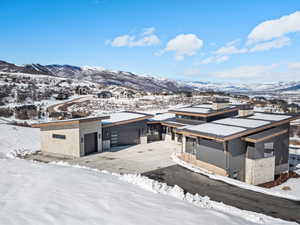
[[140, 82]]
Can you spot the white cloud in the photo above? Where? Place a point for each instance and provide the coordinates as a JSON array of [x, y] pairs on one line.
[[148, 31], [246, 72], [230, 48], [146, 38], [275, 28], [294, 65], [183, 45], [277, 43], [215, 59]]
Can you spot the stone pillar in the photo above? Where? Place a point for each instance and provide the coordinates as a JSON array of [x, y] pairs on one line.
[[106, 145], [143, 140], [259, 171], [176, 139], [183, 144], [168, 137]]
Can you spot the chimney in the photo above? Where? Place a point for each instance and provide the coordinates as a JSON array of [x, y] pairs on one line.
[[245, 110], [220, 103]]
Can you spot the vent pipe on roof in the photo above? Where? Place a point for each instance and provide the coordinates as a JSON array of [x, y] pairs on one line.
[[245, 110], [220, 103]]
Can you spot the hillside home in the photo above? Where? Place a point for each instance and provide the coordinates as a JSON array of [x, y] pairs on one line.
[[227, 140], [252, 148]]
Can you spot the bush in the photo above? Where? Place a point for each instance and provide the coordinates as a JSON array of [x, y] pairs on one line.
[[6, 112]]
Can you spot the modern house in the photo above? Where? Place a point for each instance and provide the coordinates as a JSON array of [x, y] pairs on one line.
[[229, 140], [71, 138], [253, 148]]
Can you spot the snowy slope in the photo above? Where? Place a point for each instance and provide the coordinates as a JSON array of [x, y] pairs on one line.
[[35, 193], [15, 139], [100, 76]]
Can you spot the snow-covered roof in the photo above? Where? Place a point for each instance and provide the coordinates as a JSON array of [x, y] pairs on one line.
[[272, 117], [203, 106], [193, 110], [123, 116], [163, 116], [241, 122], [216, 129]]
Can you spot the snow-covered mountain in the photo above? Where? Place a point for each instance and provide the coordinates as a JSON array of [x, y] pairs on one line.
[[141, 82], [100, 75], [255, 87]]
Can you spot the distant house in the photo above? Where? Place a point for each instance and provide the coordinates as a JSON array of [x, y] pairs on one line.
[[104, 94], [61, 96], [293, 108]]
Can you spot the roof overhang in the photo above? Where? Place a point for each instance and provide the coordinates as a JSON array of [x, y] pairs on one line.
[[237, 135], [265, 138], [204, 114], [69, 122], [127, 121]]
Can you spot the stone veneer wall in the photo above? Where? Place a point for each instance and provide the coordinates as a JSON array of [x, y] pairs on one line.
[[259, 171]]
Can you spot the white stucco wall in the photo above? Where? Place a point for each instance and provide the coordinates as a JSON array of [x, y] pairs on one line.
[[68, 147]]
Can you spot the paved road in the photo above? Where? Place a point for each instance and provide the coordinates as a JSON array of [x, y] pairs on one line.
[[228, 194]]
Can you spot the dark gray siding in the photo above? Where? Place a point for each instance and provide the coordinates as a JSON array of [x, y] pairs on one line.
[[154, 132], [211, 152], [236, 158], [126, 134]]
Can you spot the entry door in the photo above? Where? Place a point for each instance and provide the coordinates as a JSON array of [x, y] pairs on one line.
[[90, 143]]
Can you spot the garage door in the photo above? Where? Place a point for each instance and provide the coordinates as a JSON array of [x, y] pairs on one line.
[[90, 143]]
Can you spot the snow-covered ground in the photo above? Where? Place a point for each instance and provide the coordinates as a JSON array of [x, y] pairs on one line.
[[292, 186], [35, 193], [58, 193], [18, 140]]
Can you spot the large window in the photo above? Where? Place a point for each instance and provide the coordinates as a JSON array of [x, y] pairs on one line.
[[191, 145], [268, 149]]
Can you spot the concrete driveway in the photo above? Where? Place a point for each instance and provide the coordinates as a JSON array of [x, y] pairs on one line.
[[131, 159]]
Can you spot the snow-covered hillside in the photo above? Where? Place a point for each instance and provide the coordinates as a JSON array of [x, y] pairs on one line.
[[35, 193], [16, 139], [142, 82], [100, 76]]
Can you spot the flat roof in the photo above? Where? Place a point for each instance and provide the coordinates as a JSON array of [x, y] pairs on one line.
[[241, 122], [209, 106], [216, 129], [124, 117], [230, 128], [69, 121], [162, 116], [265, 135], [202, 110], [193, 110], [268, 116]]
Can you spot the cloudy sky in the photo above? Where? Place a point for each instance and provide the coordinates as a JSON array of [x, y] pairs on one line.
[[215, 40]]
